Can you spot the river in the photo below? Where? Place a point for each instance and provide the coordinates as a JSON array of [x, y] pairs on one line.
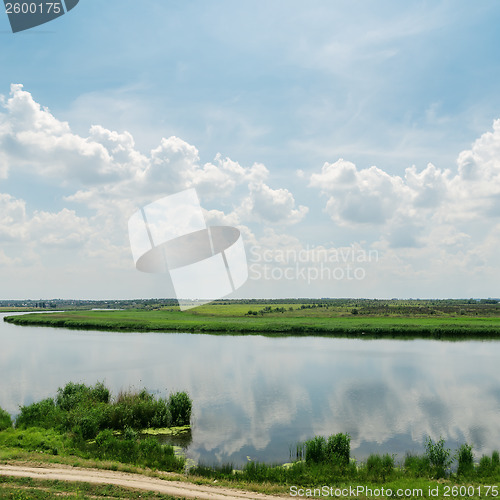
[[254, 397]]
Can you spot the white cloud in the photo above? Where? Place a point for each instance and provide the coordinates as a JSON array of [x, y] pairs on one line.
[[106, 167], [62, 229], [12, 218], [436, 228], [34, 141], [107, 178], [365, 196], [420, 198], [426, 224], [271, 205]]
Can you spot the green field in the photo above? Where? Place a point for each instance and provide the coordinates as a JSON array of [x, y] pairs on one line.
[[353, 318]]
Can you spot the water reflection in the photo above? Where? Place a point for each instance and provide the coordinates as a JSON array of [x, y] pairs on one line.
[[256, 396]]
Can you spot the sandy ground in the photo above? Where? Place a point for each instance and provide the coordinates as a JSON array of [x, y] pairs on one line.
[[126, 480]]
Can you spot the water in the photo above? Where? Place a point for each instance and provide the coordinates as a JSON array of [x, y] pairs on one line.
[[254, 397]]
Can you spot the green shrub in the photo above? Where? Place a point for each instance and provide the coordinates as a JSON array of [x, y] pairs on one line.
[[5, 420], [86, 410], [42, 414], [417, 466], [105, 439], [88, 420], [465, 460], [338, 448], [439, 457], [140, 410], [378, 467], [73, 395], [180, 406], [495, 459], [100, 393], [315, 449], [485, 467]]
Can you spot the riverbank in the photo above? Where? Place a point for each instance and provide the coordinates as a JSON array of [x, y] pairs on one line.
[[79, 428], [31, 474], [283, 320]]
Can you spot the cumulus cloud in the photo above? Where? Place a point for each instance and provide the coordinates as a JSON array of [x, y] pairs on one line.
[[47, 229], [358, 196], [12, 218], [61, 229], [34, 141], [407, 208], [425, 223], [431, 226], [106, 168], [271, 205], [106, 178]]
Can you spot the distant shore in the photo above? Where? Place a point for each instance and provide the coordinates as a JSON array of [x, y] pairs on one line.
[[240, 319]]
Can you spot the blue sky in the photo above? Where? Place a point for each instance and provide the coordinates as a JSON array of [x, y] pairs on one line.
[[287, 85]]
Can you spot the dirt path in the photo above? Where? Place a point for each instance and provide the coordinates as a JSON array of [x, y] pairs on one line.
[[136, 481]]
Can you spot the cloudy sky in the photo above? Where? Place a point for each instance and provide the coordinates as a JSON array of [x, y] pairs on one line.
[[356, 145]]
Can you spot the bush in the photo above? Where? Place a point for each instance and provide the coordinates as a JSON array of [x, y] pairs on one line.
[[338, 448], [485, 467], [378, 467], [180, 406], [75, 394], [42, 414], [465, 460], [315, 450], [417, 466], [87, 420], [140, 411], [439, 457], [86, 410], [72, 395], [5, 420], [495, 459]]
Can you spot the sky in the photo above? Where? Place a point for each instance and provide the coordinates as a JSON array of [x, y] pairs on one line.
[[355, 145]]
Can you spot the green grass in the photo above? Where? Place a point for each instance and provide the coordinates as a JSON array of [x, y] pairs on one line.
[[86, 421], [326, 466], [5, 420], [34, 489], [87, 410], [235, 320], [328, 462]]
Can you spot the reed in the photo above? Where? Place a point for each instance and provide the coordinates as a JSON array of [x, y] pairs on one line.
[[87, 410], [5, 420], [465, 459]]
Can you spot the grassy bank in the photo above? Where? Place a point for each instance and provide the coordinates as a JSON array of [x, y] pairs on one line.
[[86, 421], [86, 426], [319, 462], [283, 320]]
